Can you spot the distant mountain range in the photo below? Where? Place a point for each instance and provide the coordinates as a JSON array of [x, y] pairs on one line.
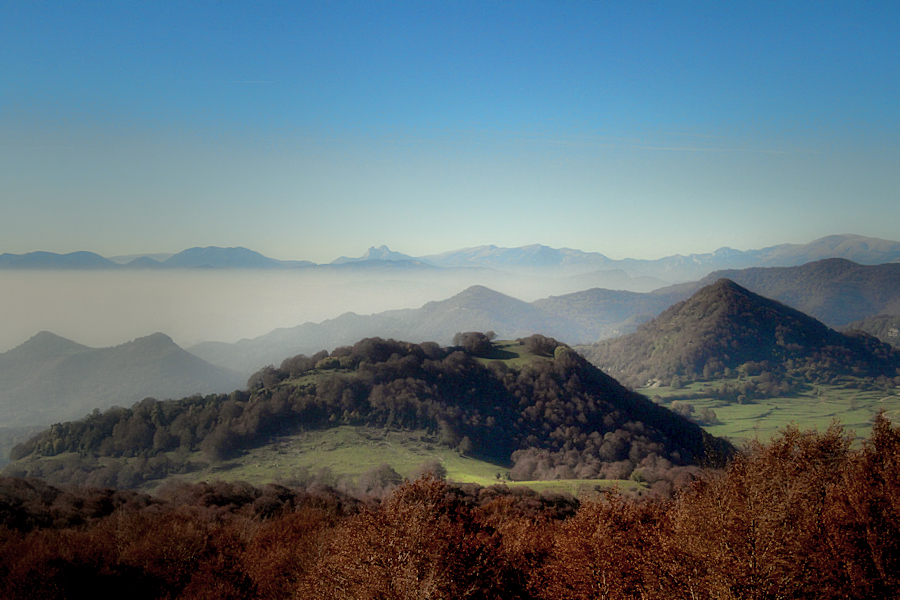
[[49, 378], [563, 262], [474, 309], [54, 373], [192, 258], [835, 291], [576, 318], [725, 329]]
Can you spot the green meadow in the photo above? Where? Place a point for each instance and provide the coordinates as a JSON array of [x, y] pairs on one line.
[[345, 453], [817, 407]]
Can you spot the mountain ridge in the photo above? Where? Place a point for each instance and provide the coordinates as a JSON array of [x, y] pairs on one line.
[[48, 377], [673, 268], [477, 308], [834, 290], [724, 329]]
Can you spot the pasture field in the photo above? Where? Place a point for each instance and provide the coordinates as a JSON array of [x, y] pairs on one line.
[[347, 452], [817, 407], [512, 353]]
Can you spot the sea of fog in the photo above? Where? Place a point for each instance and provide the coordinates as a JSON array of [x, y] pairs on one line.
[[107, 308]]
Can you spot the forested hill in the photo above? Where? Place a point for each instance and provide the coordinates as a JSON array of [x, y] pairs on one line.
[[836, 291], [725, 329], [555, 416]]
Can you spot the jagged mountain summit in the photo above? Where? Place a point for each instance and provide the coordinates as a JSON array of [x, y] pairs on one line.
[[373, 253], [50, 378], [725, 329]]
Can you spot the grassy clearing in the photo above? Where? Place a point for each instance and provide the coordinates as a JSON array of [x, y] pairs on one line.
[[816, 408], [512, 353], [347, 452]]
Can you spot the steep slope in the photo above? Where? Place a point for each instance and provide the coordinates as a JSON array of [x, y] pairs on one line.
[[548, 418], [49, 378], [724, 329], [836, 291]]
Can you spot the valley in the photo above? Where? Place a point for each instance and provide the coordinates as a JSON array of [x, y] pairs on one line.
[[741, 379], [762, 419]]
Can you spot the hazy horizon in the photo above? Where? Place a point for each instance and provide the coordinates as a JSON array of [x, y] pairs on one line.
[[310, 131], [108, 308], [162, 256]]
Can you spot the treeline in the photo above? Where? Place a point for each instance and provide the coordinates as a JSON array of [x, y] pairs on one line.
[[806, 516], [557, 417]]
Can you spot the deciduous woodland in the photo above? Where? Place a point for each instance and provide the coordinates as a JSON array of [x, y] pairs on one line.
[[555, 417], [805, 516]]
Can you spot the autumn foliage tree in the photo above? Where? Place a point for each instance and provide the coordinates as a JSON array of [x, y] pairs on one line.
[[808, 515]]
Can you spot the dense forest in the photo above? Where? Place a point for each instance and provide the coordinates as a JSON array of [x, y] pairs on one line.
[[806, 516], [555, 417], [725, 331]]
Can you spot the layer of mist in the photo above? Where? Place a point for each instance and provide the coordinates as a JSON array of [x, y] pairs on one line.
[[107, 308]]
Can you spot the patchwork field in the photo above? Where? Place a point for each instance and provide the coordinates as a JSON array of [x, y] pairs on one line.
[[817, 407]]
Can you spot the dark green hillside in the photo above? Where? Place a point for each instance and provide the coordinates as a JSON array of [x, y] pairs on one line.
[[835, 291], [49, 378], [553, 417], [725, 330], [885, 327]]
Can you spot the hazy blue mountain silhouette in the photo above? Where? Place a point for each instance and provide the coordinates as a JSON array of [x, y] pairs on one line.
[[475, 309], [50, 260], [49, 378], [534, 258], [221, 258]]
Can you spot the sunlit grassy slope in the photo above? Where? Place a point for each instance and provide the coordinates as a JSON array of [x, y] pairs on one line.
[[348, 452]]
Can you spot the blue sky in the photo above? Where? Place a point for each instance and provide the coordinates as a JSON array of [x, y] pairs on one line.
[[314, 130]]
